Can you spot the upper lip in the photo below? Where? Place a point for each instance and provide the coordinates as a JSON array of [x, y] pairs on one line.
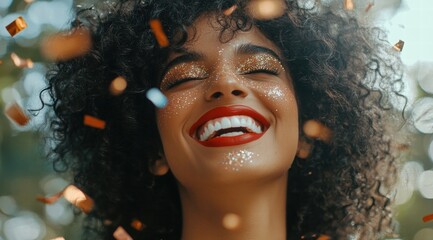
[[227, 111]]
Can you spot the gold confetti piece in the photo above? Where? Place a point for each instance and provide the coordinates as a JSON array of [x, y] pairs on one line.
[[231, 221], [21, 63], [73, 195], [157, 30], [230, 10], [1, 62], [58, 238], [16, 26], [349, 5], [315, 129], [94, 122], [304, 150], [399, 46], [28, 1], [137, 225], [121, 234], [266, 9], [369, 6], [16, 114], [324, 237], [118, 85], [64, 46]]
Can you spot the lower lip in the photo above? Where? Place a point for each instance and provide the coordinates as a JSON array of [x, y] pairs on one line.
[[231, 141]]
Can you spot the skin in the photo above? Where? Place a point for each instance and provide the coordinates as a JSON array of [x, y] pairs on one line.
[[255, 190]]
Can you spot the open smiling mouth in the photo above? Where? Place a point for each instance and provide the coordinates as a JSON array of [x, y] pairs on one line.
[[229, 126]]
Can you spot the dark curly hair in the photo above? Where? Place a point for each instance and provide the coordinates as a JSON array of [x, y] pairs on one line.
[[344, 75]]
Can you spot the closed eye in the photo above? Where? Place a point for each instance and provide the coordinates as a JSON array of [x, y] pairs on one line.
[[266, 71]]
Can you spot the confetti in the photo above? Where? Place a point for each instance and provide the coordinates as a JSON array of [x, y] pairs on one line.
[[94, 122], [121, 234], [29, 1], [157, 30], [156, 97], [266, 9], [16, 114], [369, 6], [324, 237], [73, 195], [399, 46], [16, 26], [64, 46], [118, 86], [58, 238], [230, 10], [137, 225], [315, 129], [21, 63], [349, 5], [427, 218], [304, 150], [231, 221]]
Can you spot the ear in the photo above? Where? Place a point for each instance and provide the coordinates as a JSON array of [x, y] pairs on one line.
[[159, 167]]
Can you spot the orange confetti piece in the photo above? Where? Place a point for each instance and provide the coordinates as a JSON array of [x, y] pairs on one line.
[[16, 114], [118, 86], [94, 122], [315, 129], [137, 225], [427, 218], [157, 30], [230, 10], [73, 195], [16, 26], [369, 6], [21, 63], [304, 150], [64, 46], [349, 5], [121, 234], [399, 46], [324, 237], [231, 221]]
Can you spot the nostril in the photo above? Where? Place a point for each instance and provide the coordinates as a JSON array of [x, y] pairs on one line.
[[237, 92], [216, 95]]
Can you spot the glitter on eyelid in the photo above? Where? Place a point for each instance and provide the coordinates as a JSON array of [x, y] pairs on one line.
[[237, 159], [183, 71], [257, 62]]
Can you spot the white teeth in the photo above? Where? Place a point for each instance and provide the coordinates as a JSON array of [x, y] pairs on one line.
[[215, 125], [231, 134], [225, 123], [235, 122]]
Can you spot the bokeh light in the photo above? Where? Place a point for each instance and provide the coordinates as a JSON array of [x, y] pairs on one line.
[[8, 205], [424, 234], [425, 184], [408, 181], [422, 115], [430, 150], [25, 226]]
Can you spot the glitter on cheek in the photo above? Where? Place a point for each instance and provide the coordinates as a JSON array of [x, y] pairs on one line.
[[178, 103], [235, 160]]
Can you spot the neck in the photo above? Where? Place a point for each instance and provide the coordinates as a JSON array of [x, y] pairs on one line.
[[244, 211]]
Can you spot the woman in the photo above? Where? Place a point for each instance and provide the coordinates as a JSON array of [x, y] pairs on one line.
[[276, 124]]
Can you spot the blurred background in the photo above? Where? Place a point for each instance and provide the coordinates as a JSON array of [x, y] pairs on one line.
[[25, 173]]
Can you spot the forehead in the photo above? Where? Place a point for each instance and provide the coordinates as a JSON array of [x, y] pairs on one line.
[[207, 35]]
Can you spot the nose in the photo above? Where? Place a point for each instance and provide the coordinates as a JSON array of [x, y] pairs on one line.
[[227, 86]]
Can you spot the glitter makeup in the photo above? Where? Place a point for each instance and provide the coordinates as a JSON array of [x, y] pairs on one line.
[[182, 73], [235, 160]]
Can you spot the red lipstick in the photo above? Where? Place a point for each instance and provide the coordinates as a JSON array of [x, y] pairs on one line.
[[227, 111]]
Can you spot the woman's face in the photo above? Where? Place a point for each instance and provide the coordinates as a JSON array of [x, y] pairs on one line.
[[231, 113]]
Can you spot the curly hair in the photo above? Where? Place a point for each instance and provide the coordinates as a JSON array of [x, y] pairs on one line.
[[343, 74]]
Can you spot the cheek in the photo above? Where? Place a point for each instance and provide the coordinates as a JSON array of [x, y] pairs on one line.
[[278, 97], [179, 104]]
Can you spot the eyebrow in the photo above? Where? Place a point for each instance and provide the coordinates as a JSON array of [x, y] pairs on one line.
[[252, 49]]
